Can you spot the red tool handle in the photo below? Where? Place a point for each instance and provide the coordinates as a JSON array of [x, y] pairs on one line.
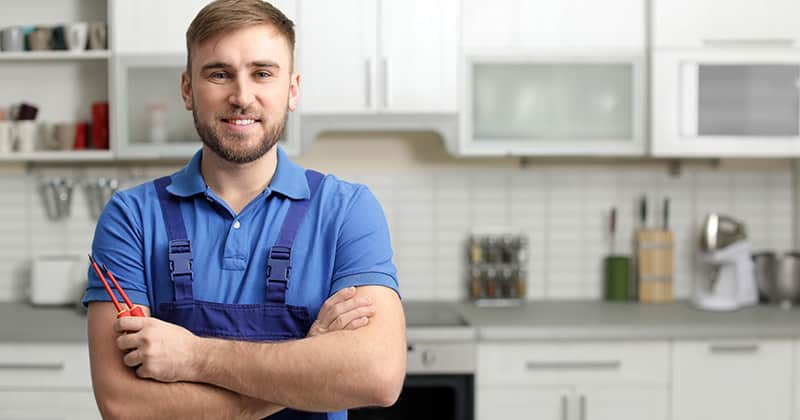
[[105, 285]]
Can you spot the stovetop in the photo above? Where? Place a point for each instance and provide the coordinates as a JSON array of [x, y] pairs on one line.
[[433, 316]]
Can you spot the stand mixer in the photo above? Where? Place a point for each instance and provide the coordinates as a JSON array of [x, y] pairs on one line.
[[732, 284]]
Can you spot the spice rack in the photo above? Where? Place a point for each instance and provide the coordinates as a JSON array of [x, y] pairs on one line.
[[497, 272]]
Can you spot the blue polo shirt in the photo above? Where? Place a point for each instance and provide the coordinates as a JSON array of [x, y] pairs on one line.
[[343, 241]]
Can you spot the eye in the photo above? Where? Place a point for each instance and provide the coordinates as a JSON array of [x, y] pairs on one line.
[[218, 76], [263, 74]]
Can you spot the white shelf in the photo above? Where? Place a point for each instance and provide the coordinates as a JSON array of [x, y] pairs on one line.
[[59, 156], [55, 55]]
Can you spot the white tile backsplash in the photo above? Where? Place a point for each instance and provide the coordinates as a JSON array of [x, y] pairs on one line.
[[562, 209]]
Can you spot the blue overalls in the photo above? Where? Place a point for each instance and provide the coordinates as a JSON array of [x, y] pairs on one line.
[[273, 320]]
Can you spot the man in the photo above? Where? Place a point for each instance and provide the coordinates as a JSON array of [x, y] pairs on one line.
[[234, 255]]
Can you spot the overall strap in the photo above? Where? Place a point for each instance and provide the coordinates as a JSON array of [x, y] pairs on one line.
[[279, 259], [180, 248]]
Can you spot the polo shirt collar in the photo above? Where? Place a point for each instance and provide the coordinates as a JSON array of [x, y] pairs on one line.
[[289, 179]]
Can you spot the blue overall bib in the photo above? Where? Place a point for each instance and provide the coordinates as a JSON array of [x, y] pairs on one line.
[[273, 320]]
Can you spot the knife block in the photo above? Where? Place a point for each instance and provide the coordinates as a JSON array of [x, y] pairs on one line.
[[654, 265]]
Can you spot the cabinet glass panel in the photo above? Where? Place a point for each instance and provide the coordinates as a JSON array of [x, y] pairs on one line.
[[553, 101], [743, 100]]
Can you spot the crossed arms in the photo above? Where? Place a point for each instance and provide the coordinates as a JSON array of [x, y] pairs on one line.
[[344, 363]]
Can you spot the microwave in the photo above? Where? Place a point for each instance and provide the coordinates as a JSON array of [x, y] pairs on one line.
[[726, 102], [584, 103]]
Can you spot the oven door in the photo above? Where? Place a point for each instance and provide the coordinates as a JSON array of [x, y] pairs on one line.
[[427, 397], [726, 102]]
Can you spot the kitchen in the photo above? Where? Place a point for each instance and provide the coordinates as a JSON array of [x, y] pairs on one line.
[[521, 118]]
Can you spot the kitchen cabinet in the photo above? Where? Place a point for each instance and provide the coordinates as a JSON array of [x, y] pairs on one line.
[[61, 84], [725, 23], [46, 380], [549, 78], [732, 379], [573, 380], [390, 57], [553, 25]]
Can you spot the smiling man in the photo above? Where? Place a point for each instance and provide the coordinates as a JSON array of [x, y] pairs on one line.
[[237, 253]]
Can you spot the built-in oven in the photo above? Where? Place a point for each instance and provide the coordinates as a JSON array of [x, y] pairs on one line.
[[724, 101], [440, 374]]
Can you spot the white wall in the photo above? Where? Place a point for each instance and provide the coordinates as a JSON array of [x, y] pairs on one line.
[[432, 200]]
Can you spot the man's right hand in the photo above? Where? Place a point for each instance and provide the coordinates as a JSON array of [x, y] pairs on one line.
[[342, 311]]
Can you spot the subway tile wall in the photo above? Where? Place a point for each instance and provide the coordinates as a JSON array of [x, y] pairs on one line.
[[562, 209]]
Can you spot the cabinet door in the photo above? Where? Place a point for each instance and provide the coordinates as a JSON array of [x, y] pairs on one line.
[[607, 24], [523, 403], [732, 380], [419, 53], [41, 405], [695, 23], [337, 51], [630, 402]]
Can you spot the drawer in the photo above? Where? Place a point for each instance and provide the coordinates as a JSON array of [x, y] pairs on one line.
[[50, 366], [570, 363], [50, 405]]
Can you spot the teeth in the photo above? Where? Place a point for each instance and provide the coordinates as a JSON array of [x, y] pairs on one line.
[[243, 122]]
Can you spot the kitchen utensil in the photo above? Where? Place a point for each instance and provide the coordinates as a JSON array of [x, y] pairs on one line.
[[99, 125], [98, 35], [40, 39], [778, 278], [616, 268], [766, 274], [13, 39], [7, 137], [26, 136], [732, 283], [64, 135], [76, 35], [133, 310], [654, 260], [26, 111]]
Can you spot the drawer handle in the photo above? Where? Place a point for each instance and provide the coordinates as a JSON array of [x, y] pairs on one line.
[[733, 348], [33, 366], [595, 365], [749, 42]]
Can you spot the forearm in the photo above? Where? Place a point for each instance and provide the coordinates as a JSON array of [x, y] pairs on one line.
[[149, 399]]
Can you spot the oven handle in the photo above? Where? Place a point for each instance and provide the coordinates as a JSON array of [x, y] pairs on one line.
[[588, 364]]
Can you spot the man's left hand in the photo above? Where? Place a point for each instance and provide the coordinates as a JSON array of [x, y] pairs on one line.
[[162, 351]]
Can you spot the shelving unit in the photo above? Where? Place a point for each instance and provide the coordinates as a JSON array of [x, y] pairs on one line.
[[55, 55]]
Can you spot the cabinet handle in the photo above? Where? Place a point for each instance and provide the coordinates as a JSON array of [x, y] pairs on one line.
[[733, 348], [385, 73], [368, 79], [33, 366], [749, 42], [582, 407], [564, 407], [594, 364]]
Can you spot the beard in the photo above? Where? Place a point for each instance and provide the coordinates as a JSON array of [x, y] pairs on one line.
[[228, 145]]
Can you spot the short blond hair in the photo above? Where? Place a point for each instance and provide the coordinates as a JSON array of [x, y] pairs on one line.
[[224, 16]]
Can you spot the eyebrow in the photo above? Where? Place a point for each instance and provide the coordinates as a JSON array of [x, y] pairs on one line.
[[257, 64]]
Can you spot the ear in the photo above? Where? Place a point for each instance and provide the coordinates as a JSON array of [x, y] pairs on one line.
[[294, 91], [186, 90]]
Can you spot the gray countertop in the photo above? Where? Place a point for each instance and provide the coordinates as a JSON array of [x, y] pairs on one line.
[[535, 320]]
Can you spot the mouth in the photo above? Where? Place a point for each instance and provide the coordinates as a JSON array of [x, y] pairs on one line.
[[241, 122]]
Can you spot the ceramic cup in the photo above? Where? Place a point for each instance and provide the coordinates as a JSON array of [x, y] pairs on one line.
[[98, 36], [64, 135], [7, 135], [39, 40], [13, 39], [76, 34], [27, 136], [47, 139]]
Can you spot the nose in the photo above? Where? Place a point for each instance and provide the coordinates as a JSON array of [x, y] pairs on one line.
[[241, 96]]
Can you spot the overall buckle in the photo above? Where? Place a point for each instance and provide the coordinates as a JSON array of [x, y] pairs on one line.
[[279, 264], [180, 260]]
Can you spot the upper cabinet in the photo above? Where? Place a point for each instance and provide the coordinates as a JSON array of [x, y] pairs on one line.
[[725, 77], [389, 57], [550, 78], [704, 23]]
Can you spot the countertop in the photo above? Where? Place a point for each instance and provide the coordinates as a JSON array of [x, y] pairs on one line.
[[532, 321]]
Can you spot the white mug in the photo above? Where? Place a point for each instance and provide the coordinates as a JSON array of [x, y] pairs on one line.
[[27, 136], [76, 35], [7, 136]]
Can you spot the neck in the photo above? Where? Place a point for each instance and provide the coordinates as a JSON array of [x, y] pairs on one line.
[[238, 183]]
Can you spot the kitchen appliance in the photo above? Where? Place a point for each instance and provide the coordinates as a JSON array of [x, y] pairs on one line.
[[731, 284], [440, 371], [778, 278], [56, 280]]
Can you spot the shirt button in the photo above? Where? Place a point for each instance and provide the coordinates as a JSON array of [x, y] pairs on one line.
[[236, 224]]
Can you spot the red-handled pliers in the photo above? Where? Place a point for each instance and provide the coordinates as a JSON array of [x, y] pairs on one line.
[[133, 310]]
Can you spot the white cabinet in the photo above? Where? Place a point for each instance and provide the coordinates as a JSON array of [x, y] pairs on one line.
[[551, 25], [702, 23], [390, 57], [551, 78], [573, 381], [47, 380], [732, 380]]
